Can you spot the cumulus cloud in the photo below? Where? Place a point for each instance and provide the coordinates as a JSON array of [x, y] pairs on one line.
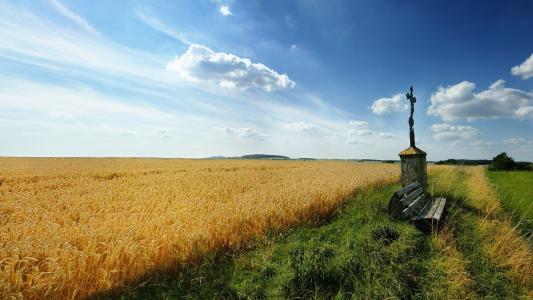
[[525, 69], [301, 126], [242, 133], [460, 102], [225, 10], [449, 132], [201, 64], [389, 105]]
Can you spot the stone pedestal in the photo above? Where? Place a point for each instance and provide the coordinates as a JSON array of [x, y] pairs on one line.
[[414, 167]]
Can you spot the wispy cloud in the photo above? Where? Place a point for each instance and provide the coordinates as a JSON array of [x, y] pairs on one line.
[[157, 25], [33, 40], [514, 141], [301, 126], [242, 132], [361, 129], [127, 133], [62, 9]]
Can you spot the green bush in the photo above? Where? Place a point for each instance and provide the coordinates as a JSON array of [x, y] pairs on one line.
[[503, 162]]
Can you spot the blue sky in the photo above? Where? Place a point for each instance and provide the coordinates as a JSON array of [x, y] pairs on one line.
[[322, 79]]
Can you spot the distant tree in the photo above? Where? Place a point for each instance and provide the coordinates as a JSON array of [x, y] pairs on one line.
[[502, 162], [524, 166]]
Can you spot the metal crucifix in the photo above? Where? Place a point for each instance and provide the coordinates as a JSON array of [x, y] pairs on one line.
[[411, 99]]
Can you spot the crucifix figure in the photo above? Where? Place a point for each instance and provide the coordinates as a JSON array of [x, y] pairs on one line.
[[411, 99]]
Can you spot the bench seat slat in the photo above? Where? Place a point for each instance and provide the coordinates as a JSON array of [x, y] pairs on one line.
[[429, 210], [412, 210], [440, 209], [433, 210]]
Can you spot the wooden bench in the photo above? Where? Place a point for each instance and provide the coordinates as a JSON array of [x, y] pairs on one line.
[[412, 204]]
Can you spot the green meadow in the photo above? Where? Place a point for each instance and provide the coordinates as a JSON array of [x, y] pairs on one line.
[[516, 192]]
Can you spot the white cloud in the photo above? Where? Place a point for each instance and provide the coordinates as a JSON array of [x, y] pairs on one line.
[[515, 141], [62, 9], [359, 124], [72, 103], [525, 69], [289, 21], [127, 133], [484, 143], [225, 10], [243, 132], [387, 135], [301, 126], [361, 130], [157, 25], [449, 132], [389, 105], [356, 141], [201, 64], [30, 39], [525, 111], [460, 102], [519, 144], [162, 133]]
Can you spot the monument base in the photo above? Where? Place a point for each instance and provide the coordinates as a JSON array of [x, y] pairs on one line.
[[414, 167]]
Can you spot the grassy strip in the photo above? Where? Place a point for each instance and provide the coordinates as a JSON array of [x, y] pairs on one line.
[[515, 190], [446, 271], [471, 204], [504, 243]]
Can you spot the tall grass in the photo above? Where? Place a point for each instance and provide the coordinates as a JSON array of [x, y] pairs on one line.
[[498, 260], [505, 243], [74, 227]]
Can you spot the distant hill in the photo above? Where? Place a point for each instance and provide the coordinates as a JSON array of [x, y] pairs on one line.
[[264, 156]]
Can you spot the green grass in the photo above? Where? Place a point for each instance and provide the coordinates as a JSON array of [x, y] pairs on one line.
[[516, 191], [488, 280], [358, 253]]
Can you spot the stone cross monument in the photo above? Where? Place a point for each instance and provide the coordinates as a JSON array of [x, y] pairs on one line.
[[413, 160]]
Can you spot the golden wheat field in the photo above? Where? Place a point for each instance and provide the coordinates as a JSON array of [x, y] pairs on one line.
[[72, 227]]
